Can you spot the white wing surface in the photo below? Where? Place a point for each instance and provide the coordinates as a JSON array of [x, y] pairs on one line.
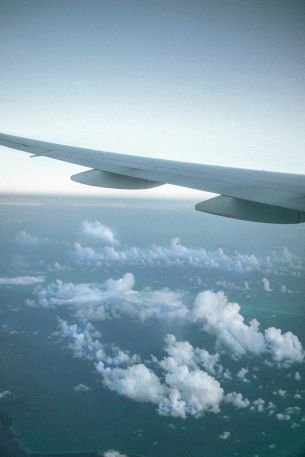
[[255, 195]]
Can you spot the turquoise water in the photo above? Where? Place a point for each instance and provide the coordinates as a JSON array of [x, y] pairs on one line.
[[40, 370]]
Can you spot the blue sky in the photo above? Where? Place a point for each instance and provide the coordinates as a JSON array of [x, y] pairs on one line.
[[203, 81]]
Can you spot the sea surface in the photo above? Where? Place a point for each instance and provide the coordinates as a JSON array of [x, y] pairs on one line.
[[46, 241]]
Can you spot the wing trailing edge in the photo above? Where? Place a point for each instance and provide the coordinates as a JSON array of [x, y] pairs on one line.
[[253, 195]]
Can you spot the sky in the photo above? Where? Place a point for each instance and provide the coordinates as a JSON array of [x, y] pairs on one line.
[[216, 82]]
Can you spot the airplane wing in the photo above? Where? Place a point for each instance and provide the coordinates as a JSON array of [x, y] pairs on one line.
[[253, 195]]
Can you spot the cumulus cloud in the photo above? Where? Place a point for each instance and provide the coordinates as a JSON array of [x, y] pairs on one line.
[[242, 373], [266, 285], [223, 319], [176, 254], [211, 310], [225, 435], [182, 388], [236, 399], [183, 392], [99, 231], [112, 453], [4, 394], [136, 382], [283, 417], [85, 342], [21, 280], [286, 348], [81, 388], [116, 297], [258, 405], [190, 390], [181, 384], [297, 376]]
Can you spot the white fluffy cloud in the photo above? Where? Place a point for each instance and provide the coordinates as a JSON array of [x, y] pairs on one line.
[[21, 280], [182, 388], [286, 348], [242, 373], [181, 384], [236, 399], [223, 319], [97, 230], [211, 310], [136, 382]]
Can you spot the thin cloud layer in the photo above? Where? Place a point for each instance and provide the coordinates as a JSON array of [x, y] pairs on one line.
[[27, 238], [114, 298], [21, 280]]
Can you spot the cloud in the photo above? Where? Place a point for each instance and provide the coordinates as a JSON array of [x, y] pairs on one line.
[[236, 399], [97, 230], [136, 382], [258, 405], [211, 310], [223, 319], [56, 266], [182, 388], [84, 341], [4, 394], [183, 353], [280, 392], [242, 373], [26, 238], [225, 435], [112, 453], [286, 348], [266, 285], [180, 384], [114, 298], [283, 417], [175, 254], [297, 376], [21, 280], [81, 388]]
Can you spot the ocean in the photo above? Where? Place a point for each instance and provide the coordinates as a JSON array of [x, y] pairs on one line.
[[82, 275]]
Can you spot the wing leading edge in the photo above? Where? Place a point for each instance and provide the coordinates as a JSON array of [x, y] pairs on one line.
[[255, 195]]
